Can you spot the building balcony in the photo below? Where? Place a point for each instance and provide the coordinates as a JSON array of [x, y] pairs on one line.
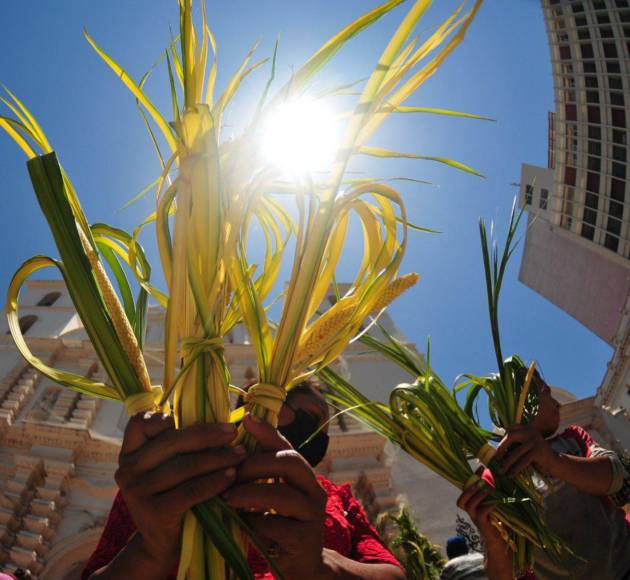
[[50, 493], [43, 507], [23, 557], [36, 524], [25, 389], [32, 541]]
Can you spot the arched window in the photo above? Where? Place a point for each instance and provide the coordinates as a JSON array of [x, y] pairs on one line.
[[26, 322], [49, 299]]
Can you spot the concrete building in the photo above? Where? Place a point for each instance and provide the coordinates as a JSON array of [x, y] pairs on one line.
[[577, 249], [59, 449]]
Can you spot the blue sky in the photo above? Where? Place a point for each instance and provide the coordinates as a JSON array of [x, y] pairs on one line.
[[502, 70]]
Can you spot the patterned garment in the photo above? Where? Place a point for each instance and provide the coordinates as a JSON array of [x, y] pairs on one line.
[[347, 531]]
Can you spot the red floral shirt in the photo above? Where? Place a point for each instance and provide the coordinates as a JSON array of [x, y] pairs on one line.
[[347, 531]]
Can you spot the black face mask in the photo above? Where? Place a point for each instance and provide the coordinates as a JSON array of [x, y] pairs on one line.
[[299, 430]]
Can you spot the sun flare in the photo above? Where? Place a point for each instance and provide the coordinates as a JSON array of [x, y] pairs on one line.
[[300, 136]]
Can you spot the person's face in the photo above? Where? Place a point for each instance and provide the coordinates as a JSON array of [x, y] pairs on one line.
[[547, 418]]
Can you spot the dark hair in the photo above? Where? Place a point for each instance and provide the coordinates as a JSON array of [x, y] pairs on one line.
[[456, 546]]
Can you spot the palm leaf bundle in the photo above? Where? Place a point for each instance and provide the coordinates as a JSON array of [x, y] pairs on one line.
[[425, 420], [510, 399], [210, 192]]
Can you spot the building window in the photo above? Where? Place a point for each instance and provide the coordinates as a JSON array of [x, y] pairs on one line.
[[618, 117], [592, 97], [580, 21], [577, 7], [615, 83], [569, 96], [567, 68], [611, 242], [592, 182], [49, 299], [589, 66], [603, 19], [590, 216], [591, 82], [570, 112], [591, 200], [26, 322], [619, 170], [595, 133], [615, 209], [624, 16], [563, 37], [612, 66], [619, 137], [583, 34], [599, 5], [569, 175], [619, 153], [606, 32], [593, 114], [569, 82], [617, 190], [613, 226], [617, 99], [594, 148], [594, 164], [587, 51], [588, 231], [529, 194], [622, 3], [610, 50], [544, 196], [565, 52]]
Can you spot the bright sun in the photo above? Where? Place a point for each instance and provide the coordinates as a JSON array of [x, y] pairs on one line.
[[300, 136]]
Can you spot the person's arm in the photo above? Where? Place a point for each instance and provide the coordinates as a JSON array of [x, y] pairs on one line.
[[593, 474], [338, 567], [162, 473], [498, 562]]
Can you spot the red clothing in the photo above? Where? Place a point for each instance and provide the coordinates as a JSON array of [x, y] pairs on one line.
[[347, 531]]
